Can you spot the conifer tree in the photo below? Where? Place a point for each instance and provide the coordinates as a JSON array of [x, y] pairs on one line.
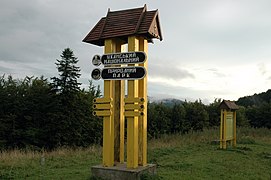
[[68, 73]]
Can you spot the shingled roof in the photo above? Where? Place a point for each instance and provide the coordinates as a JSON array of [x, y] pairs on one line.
[[124, 23], [228, 105]]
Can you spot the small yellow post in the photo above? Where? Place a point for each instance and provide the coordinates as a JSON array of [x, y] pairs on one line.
[[108, 126], [142, 121], [221, 128], [132, 122], [234, 128], [225, 130]]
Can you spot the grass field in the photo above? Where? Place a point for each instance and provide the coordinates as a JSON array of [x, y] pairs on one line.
[[190, 156]]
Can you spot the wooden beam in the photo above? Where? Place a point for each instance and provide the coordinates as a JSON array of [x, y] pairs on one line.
[[132, 122], [142, 121]]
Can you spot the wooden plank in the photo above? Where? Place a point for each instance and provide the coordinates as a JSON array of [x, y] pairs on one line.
[[102, 106], [133, 113], [132, 122], [134, 100], [108, 128], [142, 122], [103, 100], [133, 106], [234, 129], [102, 113], [221, 128], [119, 93]]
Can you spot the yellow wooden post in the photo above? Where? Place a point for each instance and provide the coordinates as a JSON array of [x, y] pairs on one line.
[[119, 113], [225, 130], [108, 126], [234, 129], [132, 122], [142, 121], [221, 128]]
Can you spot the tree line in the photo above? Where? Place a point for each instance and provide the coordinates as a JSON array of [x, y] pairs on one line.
[[40, 113], [37, 112]]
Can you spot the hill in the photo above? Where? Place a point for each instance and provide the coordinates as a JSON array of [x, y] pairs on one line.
[[255, 100], [168, 101]]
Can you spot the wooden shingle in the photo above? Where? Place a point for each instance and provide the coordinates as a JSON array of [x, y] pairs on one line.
[[228, 105], [124, 23]]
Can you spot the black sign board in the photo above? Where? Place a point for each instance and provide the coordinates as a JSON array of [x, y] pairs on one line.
[[124, 58], [123, 73]]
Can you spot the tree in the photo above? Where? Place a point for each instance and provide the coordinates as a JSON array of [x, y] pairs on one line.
[[214, 113], [158, 119], [196, 116], [177, 118], [68, 73]]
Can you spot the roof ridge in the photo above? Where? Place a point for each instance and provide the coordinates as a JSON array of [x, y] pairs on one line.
[[154, 17], [140, 18]]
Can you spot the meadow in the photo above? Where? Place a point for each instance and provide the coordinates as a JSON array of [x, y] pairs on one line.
[[195, 155]]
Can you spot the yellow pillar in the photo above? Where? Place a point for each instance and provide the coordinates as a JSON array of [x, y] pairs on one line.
[[221, 128], [224, 130], [132, 122], [142, 120], [234, 128], [108, 121], [119, 112]]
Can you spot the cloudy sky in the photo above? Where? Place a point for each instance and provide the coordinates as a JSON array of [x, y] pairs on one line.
[[211, 48]]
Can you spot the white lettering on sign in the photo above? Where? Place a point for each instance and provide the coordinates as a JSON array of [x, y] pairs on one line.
[[122, 61], [124, 73], [121, 56], [124, 58], [121, 70]]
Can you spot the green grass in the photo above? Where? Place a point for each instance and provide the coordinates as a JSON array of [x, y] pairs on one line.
[[190, 156], [59, 164]]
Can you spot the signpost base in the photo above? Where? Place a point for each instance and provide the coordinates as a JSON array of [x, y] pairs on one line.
[[121, 172]]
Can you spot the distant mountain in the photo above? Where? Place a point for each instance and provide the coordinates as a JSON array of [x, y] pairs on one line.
[[255, 100], [168, 101]]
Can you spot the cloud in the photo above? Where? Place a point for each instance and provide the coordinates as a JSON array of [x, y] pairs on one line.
[[210, 48], [262, 68], [170, 71]]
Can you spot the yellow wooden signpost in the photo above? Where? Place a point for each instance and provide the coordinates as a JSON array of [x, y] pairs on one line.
[[228, 123], [135, 27]]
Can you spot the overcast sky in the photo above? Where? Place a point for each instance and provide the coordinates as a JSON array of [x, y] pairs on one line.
[[211, 48]]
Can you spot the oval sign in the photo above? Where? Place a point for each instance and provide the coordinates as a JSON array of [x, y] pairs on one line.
[[124, 73]]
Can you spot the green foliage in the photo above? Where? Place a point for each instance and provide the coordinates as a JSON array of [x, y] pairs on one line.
[[68, 73], [196, 116], [259, 116], [33, 116], [256, 99], [158, 120], [178, 121], [180, 118], [241, 117], [214, 113], [257, 109]]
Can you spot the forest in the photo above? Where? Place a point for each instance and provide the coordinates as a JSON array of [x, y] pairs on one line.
[[47, 113]]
